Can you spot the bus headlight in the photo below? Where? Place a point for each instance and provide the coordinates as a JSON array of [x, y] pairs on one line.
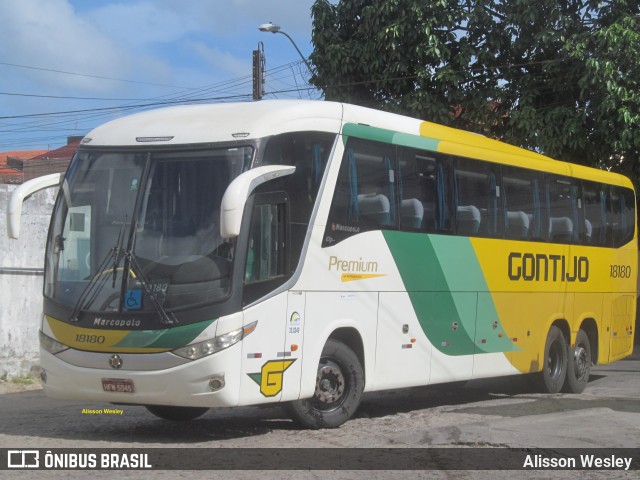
[[51, 345], [214, 345]]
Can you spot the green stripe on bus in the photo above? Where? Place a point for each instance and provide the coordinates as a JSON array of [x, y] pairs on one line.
[[447, 289], [168, 338], [415, 141], [388, 136], [463, 273], [367, 133]]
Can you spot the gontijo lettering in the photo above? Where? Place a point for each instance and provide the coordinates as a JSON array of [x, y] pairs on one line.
[[538, 267]]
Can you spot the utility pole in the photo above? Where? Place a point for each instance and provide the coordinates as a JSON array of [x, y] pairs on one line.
[[258, 72]]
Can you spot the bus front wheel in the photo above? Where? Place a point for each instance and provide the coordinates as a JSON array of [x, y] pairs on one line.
[[579, 365], [180, 414], [554, 370], [339, 386]]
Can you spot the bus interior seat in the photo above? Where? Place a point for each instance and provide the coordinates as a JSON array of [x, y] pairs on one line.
[[588, 230], [411, 213], [532, 228], [375, 208], [560, 229], [468, 219], [517, 225]]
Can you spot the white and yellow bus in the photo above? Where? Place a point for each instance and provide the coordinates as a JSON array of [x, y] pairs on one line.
[[307, 252]]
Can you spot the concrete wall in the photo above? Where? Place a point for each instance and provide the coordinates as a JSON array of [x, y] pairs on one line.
[[21, 264]]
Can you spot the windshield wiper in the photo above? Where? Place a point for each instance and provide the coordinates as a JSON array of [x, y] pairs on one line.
[[130, 267], [117, 249], [131, 263], [93, 288]]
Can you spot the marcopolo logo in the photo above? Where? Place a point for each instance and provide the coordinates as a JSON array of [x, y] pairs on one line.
[[23, 459]]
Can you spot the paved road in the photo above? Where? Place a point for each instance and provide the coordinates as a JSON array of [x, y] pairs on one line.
[[499, 412]]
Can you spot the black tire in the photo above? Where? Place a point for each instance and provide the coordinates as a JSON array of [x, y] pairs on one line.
[[180, 414], [554, 370], [578, 365], [339, 386]]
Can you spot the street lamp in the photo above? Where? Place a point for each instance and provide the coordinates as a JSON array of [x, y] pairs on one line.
[[273, 28]]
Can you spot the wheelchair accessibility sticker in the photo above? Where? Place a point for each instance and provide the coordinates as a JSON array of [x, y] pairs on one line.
[[133, 300]]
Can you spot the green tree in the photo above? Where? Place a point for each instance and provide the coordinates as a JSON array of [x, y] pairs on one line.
[[558, 76], [398, 55]]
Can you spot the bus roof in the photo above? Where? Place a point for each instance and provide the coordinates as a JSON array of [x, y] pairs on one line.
[[222, 122], [226, 122]]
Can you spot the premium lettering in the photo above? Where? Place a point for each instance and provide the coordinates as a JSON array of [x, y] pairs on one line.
[[359, 266]]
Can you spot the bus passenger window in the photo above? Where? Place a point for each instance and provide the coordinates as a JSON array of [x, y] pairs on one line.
[[476, 195], [309, 153], [595, 214], [422, 192], [522, 203], [365, 194], [564, 206], [621, 215]]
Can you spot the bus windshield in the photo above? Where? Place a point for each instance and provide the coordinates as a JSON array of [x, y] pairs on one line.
[[139, 231]]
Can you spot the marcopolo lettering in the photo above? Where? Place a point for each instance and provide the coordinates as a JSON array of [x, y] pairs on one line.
[[539, 267], [115, 322]]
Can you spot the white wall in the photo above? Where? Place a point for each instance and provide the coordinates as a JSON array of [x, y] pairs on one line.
[[21, 292]]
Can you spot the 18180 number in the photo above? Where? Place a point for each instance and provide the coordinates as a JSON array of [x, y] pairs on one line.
[[81, 338], [620, 271]]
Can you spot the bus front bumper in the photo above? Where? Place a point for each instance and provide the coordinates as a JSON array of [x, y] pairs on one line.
[[191, 384]]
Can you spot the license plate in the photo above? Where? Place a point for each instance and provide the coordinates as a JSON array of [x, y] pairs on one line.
[[117, 385]]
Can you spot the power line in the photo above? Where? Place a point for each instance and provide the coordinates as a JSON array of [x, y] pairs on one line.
[[233, 89], [88, 75], [62, 97], [121, 107], [230, 87]]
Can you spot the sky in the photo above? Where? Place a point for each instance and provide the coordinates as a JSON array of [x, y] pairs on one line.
[[67, 66]]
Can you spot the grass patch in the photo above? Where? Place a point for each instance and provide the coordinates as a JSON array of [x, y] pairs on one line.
[[23, 380]]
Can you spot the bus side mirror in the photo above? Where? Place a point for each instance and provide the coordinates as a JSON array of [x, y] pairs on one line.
[[14, 206], [237, 193]]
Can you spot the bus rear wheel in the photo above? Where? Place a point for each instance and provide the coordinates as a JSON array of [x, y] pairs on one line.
[[579, 365], [554, 370], [339, 386], [180, 414]]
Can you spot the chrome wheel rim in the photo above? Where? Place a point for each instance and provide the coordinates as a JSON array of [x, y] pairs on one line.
[[581, 362], [330, 385]]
